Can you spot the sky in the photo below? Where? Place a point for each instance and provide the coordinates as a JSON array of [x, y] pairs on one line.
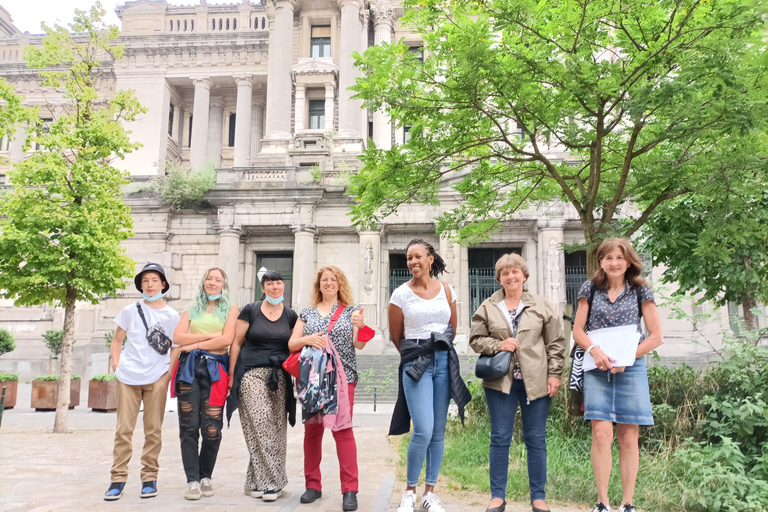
[[28, 14]]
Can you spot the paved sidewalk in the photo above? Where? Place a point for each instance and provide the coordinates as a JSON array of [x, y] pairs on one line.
[[42, 472]]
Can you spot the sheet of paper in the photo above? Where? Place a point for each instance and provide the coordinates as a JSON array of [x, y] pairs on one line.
[[618, 343]]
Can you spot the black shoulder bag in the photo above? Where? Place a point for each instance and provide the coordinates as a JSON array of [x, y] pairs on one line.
[[496, 366], [156, 337]]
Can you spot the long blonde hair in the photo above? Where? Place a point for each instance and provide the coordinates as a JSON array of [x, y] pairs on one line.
[[600, 280], [345, 292]]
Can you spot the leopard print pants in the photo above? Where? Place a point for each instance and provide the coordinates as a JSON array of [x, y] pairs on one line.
[[265, 423]]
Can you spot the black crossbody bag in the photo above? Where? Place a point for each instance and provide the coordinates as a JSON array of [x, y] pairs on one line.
[[156, 337]]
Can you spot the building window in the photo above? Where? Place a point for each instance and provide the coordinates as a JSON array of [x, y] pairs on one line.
[[263, 23], [44, 130], [406, 133], [417, 52], [189, 143], [398, 271], [2, 179], [232, 121], [171, 25], [575, 275], [316, 114], [320, 41], [234, 24], [227, 23], [192, 28], [170, 119], [6, 142]]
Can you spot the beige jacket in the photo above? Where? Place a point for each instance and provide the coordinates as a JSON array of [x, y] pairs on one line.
[[541, 338]]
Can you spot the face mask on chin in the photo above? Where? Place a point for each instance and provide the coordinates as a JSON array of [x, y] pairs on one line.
[[214, 297], [274, 301], [152, 299]]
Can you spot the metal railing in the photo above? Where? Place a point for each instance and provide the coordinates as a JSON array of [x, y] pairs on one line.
[[482, 284]]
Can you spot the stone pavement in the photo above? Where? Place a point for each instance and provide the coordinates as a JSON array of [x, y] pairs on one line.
[[42, 472]]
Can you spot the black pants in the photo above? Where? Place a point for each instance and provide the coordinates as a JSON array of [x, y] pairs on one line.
[[197, 417]]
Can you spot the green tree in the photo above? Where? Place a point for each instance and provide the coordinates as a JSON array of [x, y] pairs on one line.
[[7, 343], [13, 110], [591, 102], [714, 242], [64, 219]]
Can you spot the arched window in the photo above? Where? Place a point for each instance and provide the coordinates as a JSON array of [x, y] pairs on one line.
[[234, 24], [227, 23], [221, 24], [193, 26], [250, 22], [263, 23], [185, 25], [178, 25], [171, 25]]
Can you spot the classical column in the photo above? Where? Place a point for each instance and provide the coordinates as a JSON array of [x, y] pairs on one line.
[[383, 20], [279, 81], [199, 147], [551, 262], [351, 41], [17, 144], [329, 106], [215, 126], [300, 108], [243, 121], [257, 128], [303, 265], [229, 249]]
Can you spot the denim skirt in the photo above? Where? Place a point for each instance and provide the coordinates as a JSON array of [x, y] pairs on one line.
[[619, 397]]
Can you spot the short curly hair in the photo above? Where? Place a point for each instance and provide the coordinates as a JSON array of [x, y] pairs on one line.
[[511, 260]]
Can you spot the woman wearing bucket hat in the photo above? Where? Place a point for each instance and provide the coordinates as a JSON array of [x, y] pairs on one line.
[[142, 376]]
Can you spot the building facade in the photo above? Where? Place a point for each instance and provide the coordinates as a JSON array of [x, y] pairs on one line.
[[260, 92]]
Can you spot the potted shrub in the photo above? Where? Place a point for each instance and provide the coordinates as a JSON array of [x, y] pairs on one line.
[[102, 393], [45, 392], [8, 380]]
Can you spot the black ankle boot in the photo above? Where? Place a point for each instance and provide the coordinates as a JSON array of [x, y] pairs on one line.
[[349, 501]]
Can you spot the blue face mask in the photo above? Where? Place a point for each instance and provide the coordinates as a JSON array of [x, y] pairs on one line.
[[152, 299], [275, 302], [214, 297]]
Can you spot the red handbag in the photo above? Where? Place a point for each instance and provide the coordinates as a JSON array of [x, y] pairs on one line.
[[291, 365]]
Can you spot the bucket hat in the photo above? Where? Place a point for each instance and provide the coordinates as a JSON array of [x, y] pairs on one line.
[[151, 267]]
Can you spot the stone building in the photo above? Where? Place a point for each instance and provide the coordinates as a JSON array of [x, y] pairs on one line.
[[261, 92]]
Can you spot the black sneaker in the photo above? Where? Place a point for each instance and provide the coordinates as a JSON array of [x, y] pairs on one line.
[[601, 507], [310, 495], [115, 491], [149, 489], [270, 495]]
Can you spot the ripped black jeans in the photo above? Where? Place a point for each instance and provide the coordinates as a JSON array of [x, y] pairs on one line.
[[197, 417]]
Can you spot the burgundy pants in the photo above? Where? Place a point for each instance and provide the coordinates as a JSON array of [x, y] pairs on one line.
[[346, 449]]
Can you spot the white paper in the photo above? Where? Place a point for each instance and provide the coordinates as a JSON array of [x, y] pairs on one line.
[[618, 343]]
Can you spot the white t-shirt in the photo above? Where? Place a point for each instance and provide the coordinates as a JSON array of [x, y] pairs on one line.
[[140, 364], [422, 317]]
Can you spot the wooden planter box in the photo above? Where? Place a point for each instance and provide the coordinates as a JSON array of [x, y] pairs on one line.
[[102, 395], [45, 394], [11, 388]]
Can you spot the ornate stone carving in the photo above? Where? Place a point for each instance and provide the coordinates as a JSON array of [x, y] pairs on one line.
[[383, 14]]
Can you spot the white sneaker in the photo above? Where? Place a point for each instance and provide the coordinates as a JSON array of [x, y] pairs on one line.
[[601, 507], [408, 502], [431, 503], [193, 491], [627, 508], [206, 487]]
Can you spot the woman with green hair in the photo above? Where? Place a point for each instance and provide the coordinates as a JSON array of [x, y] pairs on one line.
[[201, 381]]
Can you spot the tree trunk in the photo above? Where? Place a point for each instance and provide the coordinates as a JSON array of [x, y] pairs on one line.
[[748, 303], [62, 406]]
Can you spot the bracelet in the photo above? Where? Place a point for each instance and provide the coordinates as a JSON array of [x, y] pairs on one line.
[[589, 350]]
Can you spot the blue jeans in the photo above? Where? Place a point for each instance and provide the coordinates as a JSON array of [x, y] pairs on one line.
[[428, 405], [502, 410]]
